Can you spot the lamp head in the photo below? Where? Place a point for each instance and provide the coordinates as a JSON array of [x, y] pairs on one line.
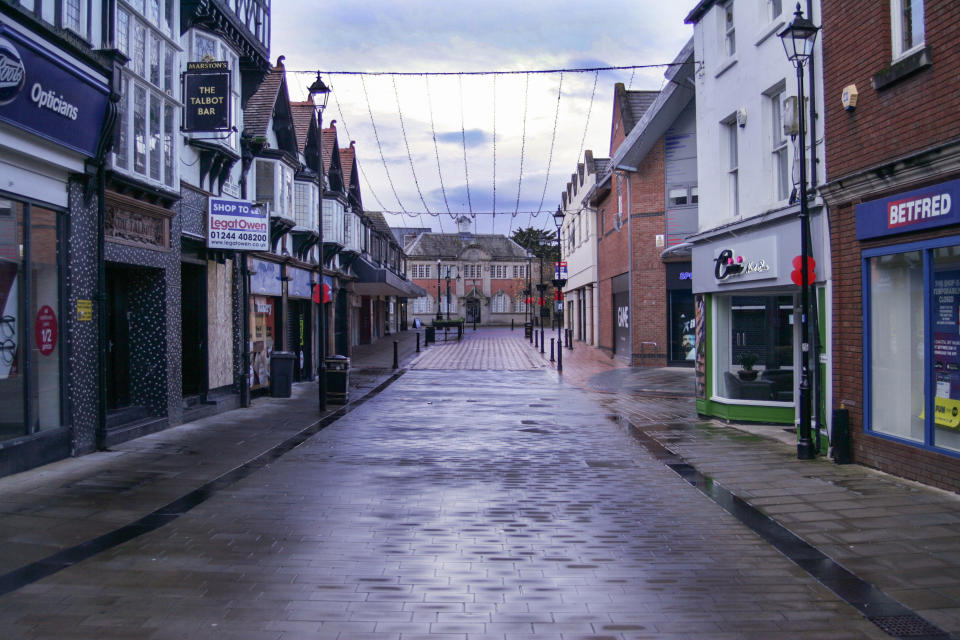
[[798, 38], [558, 217], [319, 92]]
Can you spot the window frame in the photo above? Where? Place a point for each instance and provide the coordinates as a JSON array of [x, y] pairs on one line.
[[897, 28], [731, 137], [926, 248], [728, 29], [779, 147]]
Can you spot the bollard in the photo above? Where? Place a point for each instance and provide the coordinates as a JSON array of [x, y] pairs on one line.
[[511, 324], [559, 359], [542, 342], [396, 358], [551, 350], [536, 341], [418, 342], [570, 339]]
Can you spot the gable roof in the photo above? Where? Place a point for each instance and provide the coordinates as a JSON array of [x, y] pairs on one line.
[[348, 158], [451, 245], [260, 106], [303, 118], [379, 223], [633, 104]]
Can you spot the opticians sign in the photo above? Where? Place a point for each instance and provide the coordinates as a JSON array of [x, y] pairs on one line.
[[237, 225], [44, 94], [934, 206]]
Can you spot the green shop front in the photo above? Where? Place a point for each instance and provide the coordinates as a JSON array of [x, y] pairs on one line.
[[747, 311]]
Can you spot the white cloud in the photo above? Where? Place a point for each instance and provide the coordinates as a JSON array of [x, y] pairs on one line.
[[442, 36]]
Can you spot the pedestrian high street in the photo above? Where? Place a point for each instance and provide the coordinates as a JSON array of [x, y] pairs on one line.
[[474, 493]]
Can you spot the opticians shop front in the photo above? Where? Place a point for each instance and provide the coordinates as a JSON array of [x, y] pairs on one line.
[[747, 312]]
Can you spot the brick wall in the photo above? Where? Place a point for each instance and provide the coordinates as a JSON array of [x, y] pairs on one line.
[[647, 205], [611, 261], [915, 113]]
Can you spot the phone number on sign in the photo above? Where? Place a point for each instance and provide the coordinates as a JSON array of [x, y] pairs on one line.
[[233, 235]]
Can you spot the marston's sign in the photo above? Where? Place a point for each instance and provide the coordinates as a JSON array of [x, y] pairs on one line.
[[206, 96], [910, 211], [236, 225]]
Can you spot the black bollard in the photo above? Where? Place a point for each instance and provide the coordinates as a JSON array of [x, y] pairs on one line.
[[559, 359], [418, 342], [511, 324], [551, 350], [536, 341], [542, 341], [396, 357]]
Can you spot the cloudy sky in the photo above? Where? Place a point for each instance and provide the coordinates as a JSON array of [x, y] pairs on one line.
[[494, 133]]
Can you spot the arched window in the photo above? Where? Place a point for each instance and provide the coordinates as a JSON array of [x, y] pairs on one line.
[[519, 305], [500, 303]]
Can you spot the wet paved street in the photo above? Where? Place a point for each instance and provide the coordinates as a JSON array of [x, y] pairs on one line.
[[457, 503]]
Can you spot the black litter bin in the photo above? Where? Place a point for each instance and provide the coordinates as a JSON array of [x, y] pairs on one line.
[[527, 330], [430, 334], [338, 379], [281, 373], [841, 437]]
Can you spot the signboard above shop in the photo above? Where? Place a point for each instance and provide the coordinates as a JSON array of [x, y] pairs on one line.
[[236, 225], [916, 210], [206, 96], [41, 92]]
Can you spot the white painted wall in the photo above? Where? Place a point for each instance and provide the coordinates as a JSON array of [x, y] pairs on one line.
[[727, 84]]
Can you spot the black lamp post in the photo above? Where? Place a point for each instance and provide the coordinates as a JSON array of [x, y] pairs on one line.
[[439, 295], [319, 94], [798, 38], [559, 283], [449, 277]]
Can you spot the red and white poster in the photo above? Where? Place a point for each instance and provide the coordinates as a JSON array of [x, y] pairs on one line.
[[45, 330]]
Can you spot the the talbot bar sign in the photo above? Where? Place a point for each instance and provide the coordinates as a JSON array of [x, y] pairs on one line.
[[206, 91]]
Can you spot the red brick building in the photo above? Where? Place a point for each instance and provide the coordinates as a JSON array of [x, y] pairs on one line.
[[644, 316], [893, 185]]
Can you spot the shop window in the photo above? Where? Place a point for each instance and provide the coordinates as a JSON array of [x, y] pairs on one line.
[[29, 335], [913, 364], [759, 329]]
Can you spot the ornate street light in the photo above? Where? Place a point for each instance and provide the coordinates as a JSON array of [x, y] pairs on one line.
[[798, 39], [558, 284], [449, 277], [319, 94], [439, 295]]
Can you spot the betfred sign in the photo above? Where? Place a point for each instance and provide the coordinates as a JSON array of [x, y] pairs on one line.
[[236, 225], [910, 211]]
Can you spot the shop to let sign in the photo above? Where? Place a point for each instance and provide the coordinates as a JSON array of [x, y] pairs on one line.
[[236, 225], [206, 96]]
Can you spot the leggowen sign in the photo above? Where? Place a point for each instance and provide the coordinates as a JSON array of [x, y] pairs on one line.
[[236, 225]]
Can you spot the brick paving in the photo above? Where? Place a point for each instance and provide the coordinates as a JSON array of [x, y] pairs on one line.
[[502, 503]]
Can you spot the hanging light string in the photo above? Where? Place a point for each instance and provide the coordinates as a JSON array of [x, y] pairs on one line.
[[586, 126], [463, 138], [406, 143], [363, 173], [631, 67], [553, 140], [493, 219], [379, 145], [523, 147], [436, 148]]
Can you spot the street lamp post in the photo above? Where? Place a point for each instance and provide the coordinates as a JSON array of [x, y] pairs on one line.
[[798, 38], [319, 94], [439, 294], [559, 283], [449, 277]]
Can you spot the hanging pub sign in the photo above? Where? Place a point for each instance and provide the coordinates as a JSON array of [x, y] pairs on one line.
[[236, 225], [206, 96]]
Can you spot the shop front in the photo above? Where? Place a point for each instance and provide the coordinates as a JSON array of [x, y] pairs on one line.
[[749, 323], [680, 315], [299, 321], [266, 321], [53, 110], [620, 287], [910, 254]]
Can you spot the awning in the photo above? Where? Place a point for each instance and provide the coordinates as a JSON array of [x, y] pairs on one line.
[[378, 281]]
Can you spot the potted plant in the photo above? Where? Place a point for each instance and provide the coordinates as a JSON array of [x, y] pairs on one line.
[[747, 372]]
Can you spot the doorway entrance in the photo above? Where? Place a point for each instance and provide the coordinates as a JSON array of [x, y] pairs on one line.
[[193, 327], [118, 338], [473, 311]]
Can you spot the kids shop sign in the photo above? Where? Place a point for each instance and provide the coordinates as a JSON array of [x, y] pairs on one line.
[[916, 210]]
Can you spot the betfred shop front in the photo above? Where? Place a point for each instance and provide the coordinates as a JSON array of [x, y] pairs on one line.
[[750, 324], [910, 277]]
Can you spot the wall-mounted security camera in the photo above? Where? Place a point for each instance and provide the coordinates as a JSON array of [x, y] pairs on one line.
[[742, 117]]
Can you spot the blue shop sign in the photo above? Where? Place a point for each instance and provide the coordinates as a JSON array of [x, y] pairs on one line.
[[300, 283], [46, 95], [911, 211], [265, 278]]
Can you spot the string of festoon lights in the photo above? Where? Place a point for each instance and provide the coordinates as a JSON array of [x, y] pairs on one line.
[[404, 119]]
